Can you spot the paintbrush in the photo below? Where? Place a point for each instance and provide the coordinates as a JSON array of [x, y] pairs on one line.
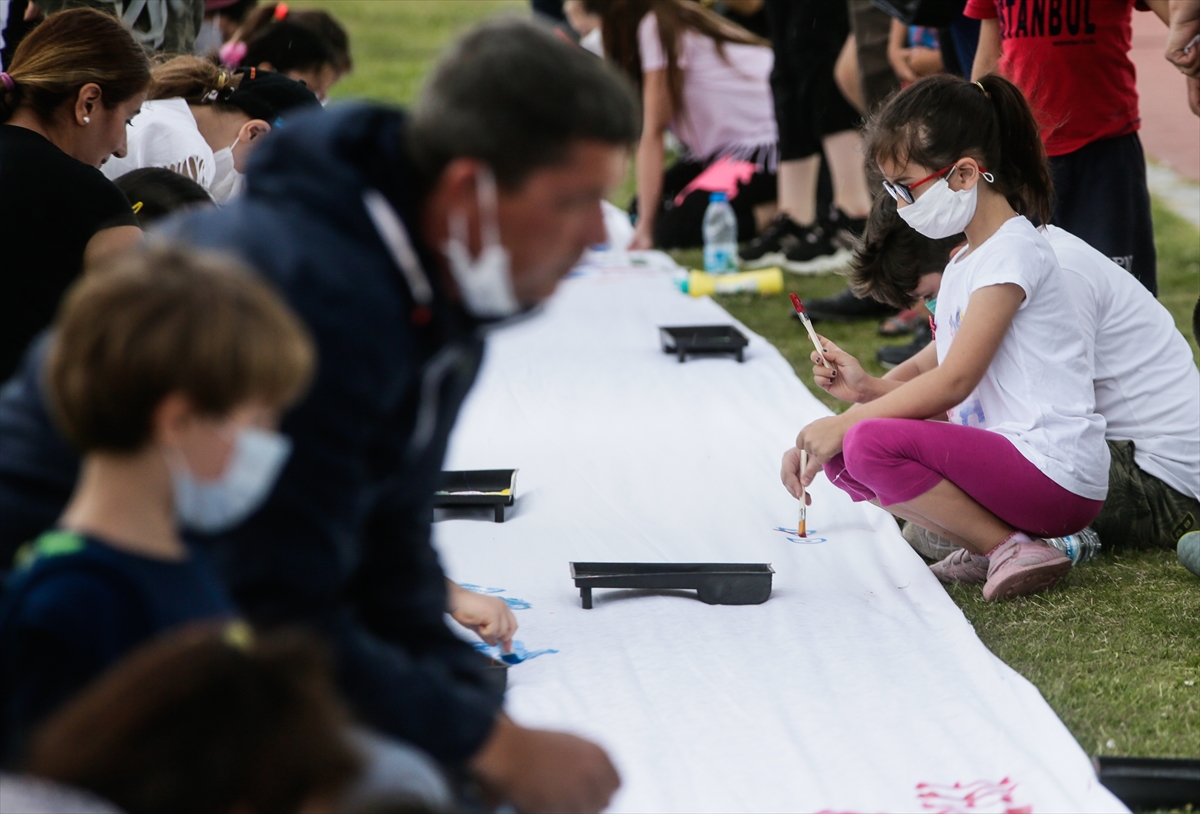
[[799, 306], [802, 526]]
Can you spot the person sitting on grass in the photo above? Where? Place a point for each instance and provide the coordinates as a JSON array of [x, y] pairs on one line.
[[1148, 399], [168, 370], [707, 80], [1022, 457]]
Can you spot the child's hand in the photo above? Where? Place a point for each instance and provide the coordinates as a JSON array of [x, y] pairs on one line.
[[488, 616], [823, 440], [790, 474], [846, 380]]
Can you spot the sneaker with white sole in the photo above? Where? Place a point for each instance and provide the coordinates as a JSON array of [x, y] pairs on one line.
[[1021, 566], [770, 248], [961, 568], [929, 545]]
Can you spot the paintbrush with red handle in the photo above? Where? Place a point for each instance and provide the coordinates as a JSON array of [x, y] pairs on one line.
[[799, 306]]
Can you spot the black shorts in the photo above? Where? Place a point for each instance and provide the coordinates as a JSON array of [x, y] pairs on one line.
[[807, 36], [1102, 198], [682, 226]]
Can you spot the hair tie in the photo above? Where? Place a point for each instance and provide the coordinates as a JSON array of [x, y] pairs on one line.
[[232, 53], [9, 83], [137, 207], [982, 88], [238, 635], [281, 12]]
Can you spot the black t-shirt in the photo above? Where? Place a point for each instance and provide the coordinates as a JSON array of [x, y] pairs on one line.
[[50, 207]]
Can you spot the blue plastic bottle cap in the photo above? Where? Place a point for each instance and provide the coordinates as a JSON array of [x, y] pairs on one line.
[[717, 197]]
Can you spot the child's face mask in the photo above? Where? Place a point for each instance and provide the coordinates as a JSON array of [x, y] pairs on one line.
[[218, 505], [942, 212]]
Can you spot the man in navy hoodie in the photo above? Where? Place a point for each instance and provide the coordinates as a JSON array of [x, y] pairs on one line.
[[398, 239]]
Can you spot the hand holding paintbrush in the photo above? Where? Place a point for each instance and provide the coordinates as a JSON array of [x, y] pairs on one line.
[[802, 526], [800, 312]]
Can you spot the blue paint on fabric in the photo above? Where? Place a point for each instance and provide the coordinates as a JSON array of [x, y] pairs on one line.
[[512, 602], [518, 654]]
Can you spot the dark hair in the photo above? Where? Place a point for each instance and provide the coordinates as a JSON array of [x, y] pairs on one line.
[[940, 119], [892, 256], [515, 95], [156, 192], [237, 11], [168, 319], [293, 39], [71, 49], [620, 32], [202, 720]]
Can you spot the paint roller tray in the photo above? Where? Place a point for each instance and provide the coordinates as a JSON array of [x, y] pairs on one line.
[[1148, 783], [718, 583], [477, 487], [690, 340]]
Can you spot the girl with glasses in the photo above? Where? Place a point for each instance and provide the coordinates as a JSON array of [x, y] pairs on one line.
[[994, 442]]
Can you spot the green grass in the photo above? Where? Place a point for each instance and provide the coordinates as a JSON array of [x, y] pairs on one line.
[[1112, 650]]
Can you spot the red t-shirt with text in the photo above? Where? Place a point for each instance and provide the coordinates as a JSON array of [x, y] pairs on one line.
[[1071, 60]]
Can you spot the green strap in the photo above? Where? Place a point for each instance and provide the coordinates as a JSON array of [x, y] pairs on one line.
[[51, 544]]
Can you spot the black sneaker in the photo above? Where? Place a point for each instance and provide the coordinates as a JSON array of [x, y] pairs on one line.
[[845, 307], [890, 356], [846, 232], [769, 248]]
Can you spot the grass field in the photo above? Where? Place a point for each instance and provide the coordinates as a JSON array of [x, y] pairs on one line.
[[1116, 651]]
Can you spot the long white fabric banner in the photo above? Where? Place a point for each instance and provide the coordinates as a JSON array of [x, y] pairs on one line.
[[858, 686]]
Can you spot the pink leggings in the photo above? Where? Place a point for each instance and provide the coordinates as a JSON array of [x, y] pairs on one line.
[[894, 460]]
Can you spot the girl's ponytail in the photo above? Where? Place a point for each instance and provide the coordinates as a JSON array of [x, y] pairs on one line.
[[939, 119], [193, 79], [71, 49], [1022, 153], [10, 97]]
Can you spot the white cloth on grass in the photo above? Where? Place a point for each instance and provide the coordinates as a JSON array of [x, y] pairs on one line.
[[1160, 413], [1037, 392], [165, 134], [858, 681]]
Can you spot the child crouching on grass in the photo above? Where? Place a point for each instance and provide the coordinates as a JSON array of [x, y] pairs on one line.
[[1147, 399], [168, 370], [1022, 457]]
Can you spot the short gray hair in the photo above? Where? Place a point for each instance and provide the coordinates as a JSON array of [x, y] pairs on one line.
[[516, 95]]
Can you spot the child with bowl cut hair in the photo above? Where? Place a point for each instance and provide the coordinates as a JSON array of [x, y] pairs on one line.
[[168, 370]]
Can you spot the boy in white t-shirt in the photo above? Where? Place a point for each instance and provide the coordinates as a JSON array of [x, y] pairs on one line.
[[1146, 382]]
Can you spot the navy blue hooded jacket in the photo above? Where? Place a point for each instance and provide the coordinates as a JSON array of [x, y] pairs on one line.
[[343, 543]]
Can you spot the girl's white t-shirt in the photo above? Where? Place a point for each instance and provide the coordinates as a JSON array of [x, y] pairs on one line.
[[728, 108], [1133, 334], [1037, 392], [164, 134]]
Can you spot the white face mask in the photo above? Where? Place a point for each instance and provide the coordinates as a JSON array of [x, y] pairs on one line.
[[227, 181], [215, 506], [942, 212], [485, 281]]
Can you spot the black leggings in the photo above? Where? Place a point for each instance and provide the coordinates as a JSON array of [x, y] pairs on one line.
[[682, 226]]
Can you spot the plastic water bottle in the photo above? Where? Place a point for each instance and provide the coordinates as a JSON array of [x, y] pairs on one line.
[[720, 236], [1079, 547]]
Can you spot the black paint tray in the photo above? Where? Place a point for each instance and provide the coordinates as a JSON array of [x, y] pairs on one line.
[[477, 487], [1151, 783], [718, 583], [691, 340]]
